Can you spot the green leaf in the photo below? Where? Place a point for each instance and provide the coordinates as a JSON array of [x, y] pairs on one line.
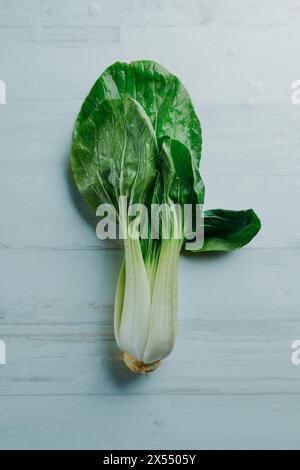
[[113, 154], [161, 94], [183, 185], [226, 230]]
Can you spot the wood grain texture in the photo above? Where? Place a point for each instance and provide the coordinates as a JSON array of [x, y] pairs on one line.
[[161, 421], [230, 382]]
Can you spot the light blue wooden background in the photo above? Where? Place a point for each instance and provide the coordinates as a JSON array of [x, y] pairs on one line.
[[230, 382]]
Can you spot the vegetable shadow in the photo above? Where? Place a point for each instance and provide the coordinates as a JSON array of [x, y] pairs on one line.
[[206, 255]]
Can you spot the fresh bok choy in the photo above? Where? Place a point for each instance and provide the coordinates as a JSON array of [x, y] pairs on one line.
[[137, 141]]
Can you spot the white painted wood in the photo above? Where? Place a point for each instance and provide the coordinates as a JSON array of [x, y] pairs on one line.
[[230, 382], [160, 422], [151, 12]]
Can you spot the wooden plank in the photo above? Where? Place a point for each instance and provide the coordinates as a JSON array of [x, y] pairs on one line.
[[84, 360], [61, 36], [149, 12], [159, 422]]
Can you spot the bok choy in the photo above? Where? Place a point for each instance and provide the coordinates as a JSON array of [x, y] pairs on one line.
[[137, 141]]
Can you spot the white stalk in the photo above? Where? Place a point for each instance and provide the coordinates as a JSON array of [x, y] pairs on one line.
[[146, 300], [119, 302], [131, 326], [163, 312]]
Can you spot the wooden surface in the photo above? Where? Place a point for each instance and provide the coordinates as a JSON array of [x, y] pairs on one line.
[[230, 382]]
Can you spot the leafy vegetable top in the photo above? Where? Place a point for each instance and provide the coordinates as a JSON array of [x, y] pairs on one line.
[[137, 131], [137, 137]]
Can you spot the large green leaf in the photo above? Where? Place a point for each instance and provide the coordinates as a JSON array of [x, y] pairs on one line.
[[226, 230], [162, 108], [163, 97], [113, 154]]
